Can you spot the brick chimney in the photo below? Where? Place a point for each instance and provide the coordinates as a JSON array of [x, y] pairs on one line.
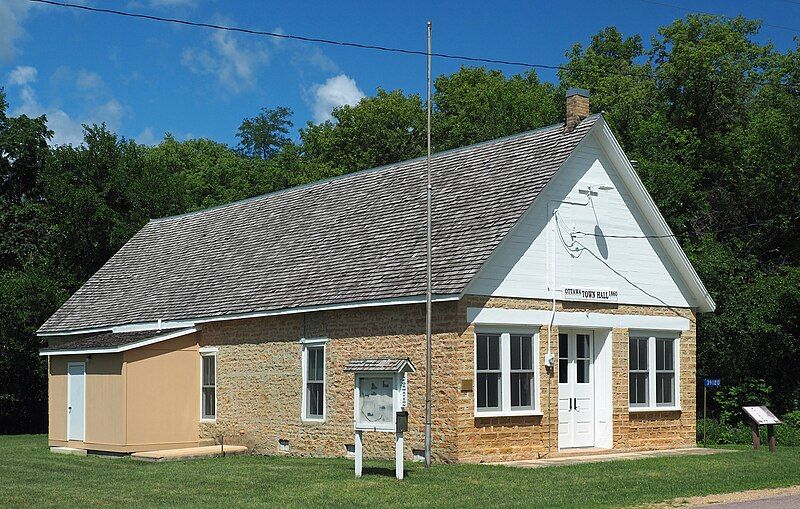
[[577, 107]]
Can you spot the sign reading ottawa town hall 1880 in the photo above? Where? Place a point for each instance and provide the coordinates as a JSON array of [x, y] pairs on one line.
[[590, 294]]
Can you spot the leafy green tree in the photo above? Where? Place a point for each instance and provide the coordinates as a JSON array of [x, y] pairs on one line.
[[265, 135], [384, 129], [475, 105]]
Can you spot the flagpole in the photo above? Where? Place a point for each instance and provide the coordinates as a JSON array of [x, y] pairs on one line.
[[428, 290]]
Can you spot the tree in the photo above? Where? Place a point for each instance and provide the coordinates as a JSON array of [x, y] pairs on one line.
[[265, 135], [475, 105], [379, 130]]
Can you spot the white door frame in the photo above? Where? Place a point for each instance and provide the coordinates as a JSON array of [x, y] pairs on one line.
[[69, 397], [572, 381]]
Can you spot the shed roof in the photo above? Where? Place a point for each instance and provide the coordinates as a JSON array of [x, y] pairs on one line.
[[110, 342], [350, 239], [382, 365]]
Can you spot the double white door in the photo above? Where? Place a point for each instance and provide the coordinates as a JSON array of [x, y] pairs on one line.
[[575, 389]]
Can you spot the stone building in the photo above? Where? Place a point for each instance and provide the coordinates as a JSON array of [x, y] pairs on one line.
[[563, 312]]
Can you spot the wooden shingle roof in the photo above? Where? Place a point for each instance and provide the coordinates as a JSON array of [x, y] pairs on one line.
[[354, 238]]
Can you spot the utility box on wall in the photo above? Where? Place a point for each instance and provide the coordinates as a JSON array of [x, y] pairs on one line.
[[380, 397]]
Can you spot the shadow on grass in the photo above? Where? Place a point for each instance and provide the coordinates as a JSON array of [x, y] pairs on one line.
[[382, 471]]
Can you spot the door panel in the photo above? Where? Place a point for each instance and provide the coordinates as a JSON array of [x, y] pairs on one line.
[[576, 390], [76, 400]]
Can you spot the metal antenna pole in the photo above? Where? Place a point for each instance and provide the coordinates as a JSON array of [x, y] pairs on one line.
[[428, 289]]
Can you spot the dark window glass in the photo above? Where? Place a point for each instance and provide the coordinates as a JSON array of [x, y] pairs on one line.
[[638, 388], [522, 390], [665, 371], [563, 373], [315, 381], [209, 389], [583, 366], [489, 390], [638, 376], [665, 388]]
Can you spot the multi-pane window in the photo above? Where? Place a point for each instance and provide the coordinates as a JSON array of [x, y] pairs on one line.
[[522, 379], [638, 386], [583, 358], [652, 377], [665, 372], [314, 382], [208, 367], [488, 371], [505, 373]]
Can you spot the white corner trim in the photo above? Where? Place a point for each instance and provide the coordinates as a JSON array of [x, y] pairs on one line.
[[191, 322], [528, 317], [118, 349]]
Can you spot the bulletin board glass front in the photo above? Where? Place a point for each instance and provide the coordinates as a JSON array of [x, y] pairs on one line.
[[375, 403]]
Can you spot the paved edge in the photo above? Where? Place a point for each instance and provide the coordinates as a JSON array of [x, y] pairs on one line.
[[726, 498]]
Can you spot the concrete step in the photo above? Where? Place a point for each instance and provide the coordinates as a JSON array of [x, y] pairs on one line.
[[68, 450], [189, 453]]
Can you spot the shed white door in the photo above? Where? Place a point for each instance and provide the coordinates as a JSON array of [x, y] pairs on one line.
[[76, 400], [575, 390]]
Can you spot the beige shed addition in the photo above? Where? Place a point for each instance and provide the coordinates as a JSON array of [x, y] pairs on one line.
[[126, 392]]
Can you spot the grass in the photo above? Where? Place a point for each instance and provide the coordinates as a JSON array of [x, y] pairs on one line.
[[31, 476]]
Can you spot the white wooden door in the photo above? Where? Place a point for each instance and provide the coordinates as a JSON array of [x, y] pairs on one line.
[[76, 400], [575, 390]]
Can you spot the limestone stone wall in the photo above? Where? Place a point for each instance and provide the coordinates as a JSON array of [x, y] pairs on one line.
[[259, 384], [259, 378]]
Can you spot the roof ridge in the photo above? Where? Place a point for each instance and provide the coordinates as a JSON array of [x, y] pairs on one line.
[[363, 172]]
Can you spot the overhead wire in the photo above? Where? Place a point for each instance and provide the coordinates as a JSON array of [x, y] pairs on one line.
[[375, 47]]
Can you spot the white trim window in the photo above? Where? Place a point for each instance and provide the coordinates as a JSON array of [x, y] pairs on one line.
[[208, 385], [653, 372], [313, 365], [506, 373]]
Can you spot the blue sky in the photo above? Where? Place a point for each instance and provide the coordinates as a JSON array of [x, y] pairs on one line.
[[145, 78]]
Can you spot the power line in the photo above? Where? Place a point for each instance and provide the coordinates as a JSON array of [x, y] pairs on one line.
[[659, 236], [692, 11], [375, 47]]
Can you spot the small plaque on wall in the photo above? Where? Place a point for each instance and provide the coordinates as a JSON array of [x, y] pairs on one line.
[[466, 385]]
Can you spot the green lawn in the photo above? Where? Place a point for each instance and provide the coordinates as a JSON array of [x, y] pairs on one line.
[[31, 476]]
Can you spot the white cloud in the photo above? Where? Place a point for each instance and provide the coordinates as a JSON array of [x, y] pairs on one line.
[[146, 137], [86, 80], [66, 128], [22, 75], [12, 14], [336, 91], [234, 65]]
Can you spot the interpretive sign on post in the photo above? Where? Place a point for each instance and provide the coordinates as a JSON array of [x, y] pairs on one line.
[[760, 415]]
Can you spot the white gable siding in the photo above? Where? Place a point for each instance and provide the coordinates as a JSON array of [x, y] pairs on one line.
[[638, 269]]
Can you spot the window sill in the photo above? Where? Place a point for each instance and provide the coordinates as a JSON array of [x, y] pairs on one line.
[[642, 409], [313, 420], [516, 413], [207, 419]]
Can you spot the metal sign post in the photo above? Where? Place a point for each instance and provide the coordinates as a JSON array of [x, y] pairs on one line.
[[713, 383]]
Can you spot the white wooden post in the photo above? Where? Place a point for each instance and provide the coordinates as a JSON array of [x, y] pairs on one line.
[[359, 453], [398, 455]]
